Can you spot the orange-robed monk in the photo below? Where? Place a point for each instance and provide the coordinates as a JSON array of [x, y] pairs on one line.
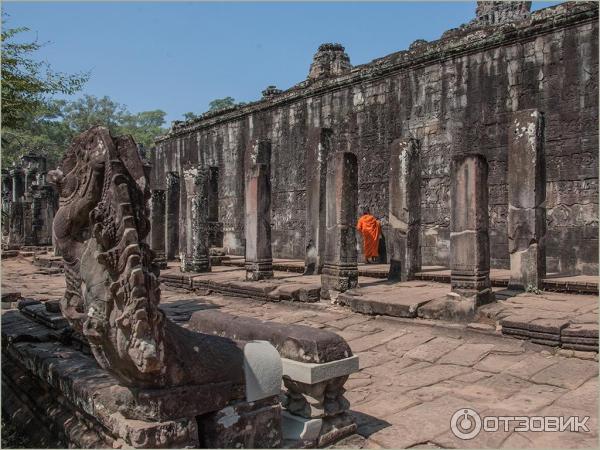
[[370, 229]]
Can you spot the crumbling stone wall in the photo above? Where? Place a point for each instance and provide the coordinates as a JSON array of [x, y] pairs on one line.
[[456, 95]]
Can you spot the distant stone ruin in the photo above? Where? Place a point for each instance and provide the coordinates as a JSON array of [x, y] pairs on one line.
[[29, 203]]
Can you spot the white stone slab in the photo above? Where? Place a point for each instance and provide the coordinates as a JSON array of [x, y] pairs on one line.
[[262, 369], [312, 373], [299, 428]]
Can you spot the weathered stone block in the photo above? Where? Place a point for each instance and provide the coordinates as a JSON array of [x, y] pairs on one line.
[[340, 271], [215, 231], [243, 425], [469, 239], [317, 152], [172, 216], [404, 209], [196, 257], [157, 226], [526, 200], [259, 262]]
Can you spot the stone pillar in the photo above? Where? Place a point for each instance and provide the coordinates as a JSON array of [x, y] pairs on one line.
[[42, 214], [259, 152], [340, 271], [36, 215], [18, 189], [28, 234], [7, 187], [196, 257], [30, 177], [172, 216], [469, 240], [47, 213], [157, 227], [215, 228], [317, 152], [259, 260], [404, 209], [526, 197], [16, 220]]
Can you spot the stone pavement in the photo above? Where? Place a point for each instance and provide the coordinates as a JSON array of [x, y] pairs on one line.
[[499, 277], [412, 377]]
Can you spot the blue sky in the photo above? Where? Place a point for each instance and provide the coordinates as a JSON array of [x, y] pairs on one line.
[[179, 56]]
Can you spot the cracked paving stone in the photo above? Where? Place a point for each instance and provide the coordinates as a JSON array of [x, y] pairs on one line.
[[466, 354], [433, 350], [570, 373], [496, 362], [529, 366]]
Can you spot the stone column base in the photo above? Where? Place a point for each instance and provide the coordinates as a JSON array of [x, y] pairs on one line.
[[527, 269], [336, 279], [189, 264], [259, 270], [456, 306], [160, 260]]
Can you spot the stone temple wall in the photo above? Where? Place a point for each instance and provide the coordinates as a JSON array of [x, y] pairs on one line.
[[456, 95]]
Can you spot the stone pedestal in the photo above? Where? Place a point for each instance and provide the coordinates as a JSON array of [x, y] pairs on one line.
[[42, 211], [404, 209], [340, 271], [526, 197], [317, 152], [215, 228], [7, 185], [259, 260], [196, 257], [172, 216], [28, 234], [157, 227], [469, 240]]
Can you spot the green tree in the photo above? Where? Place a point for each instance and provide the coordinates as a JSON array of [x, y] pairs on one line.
[[89, 111], [144, 126], [221, 103], [27, 86]]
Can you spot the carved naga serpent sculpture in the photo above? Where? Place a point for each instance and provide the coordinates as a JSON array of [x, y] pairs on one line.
[[113, 292]]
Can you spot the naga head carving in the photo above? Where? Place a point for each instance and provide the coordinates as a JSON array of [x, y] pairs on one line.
[[105, 191], [113, 291]]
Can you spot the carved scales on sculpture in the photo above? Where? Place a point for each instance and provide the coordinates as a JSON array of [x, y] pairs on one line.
[[113, 291]]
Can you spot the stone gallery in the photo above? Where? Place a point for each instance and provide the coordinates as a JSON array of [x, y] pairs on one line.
[[507, 83], [213, 292]]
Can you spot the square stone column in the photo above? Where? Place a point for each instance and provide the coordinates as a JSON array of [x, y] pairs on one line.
[[18, 189], [196, 257], [42, 214], [259, 259], [526, 197], [31, 175], [172, 216], [215, 234], [7, 186], [340, 271], [28, 236], [469, 239], [404, 209], [157, 226], [317, 152]]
